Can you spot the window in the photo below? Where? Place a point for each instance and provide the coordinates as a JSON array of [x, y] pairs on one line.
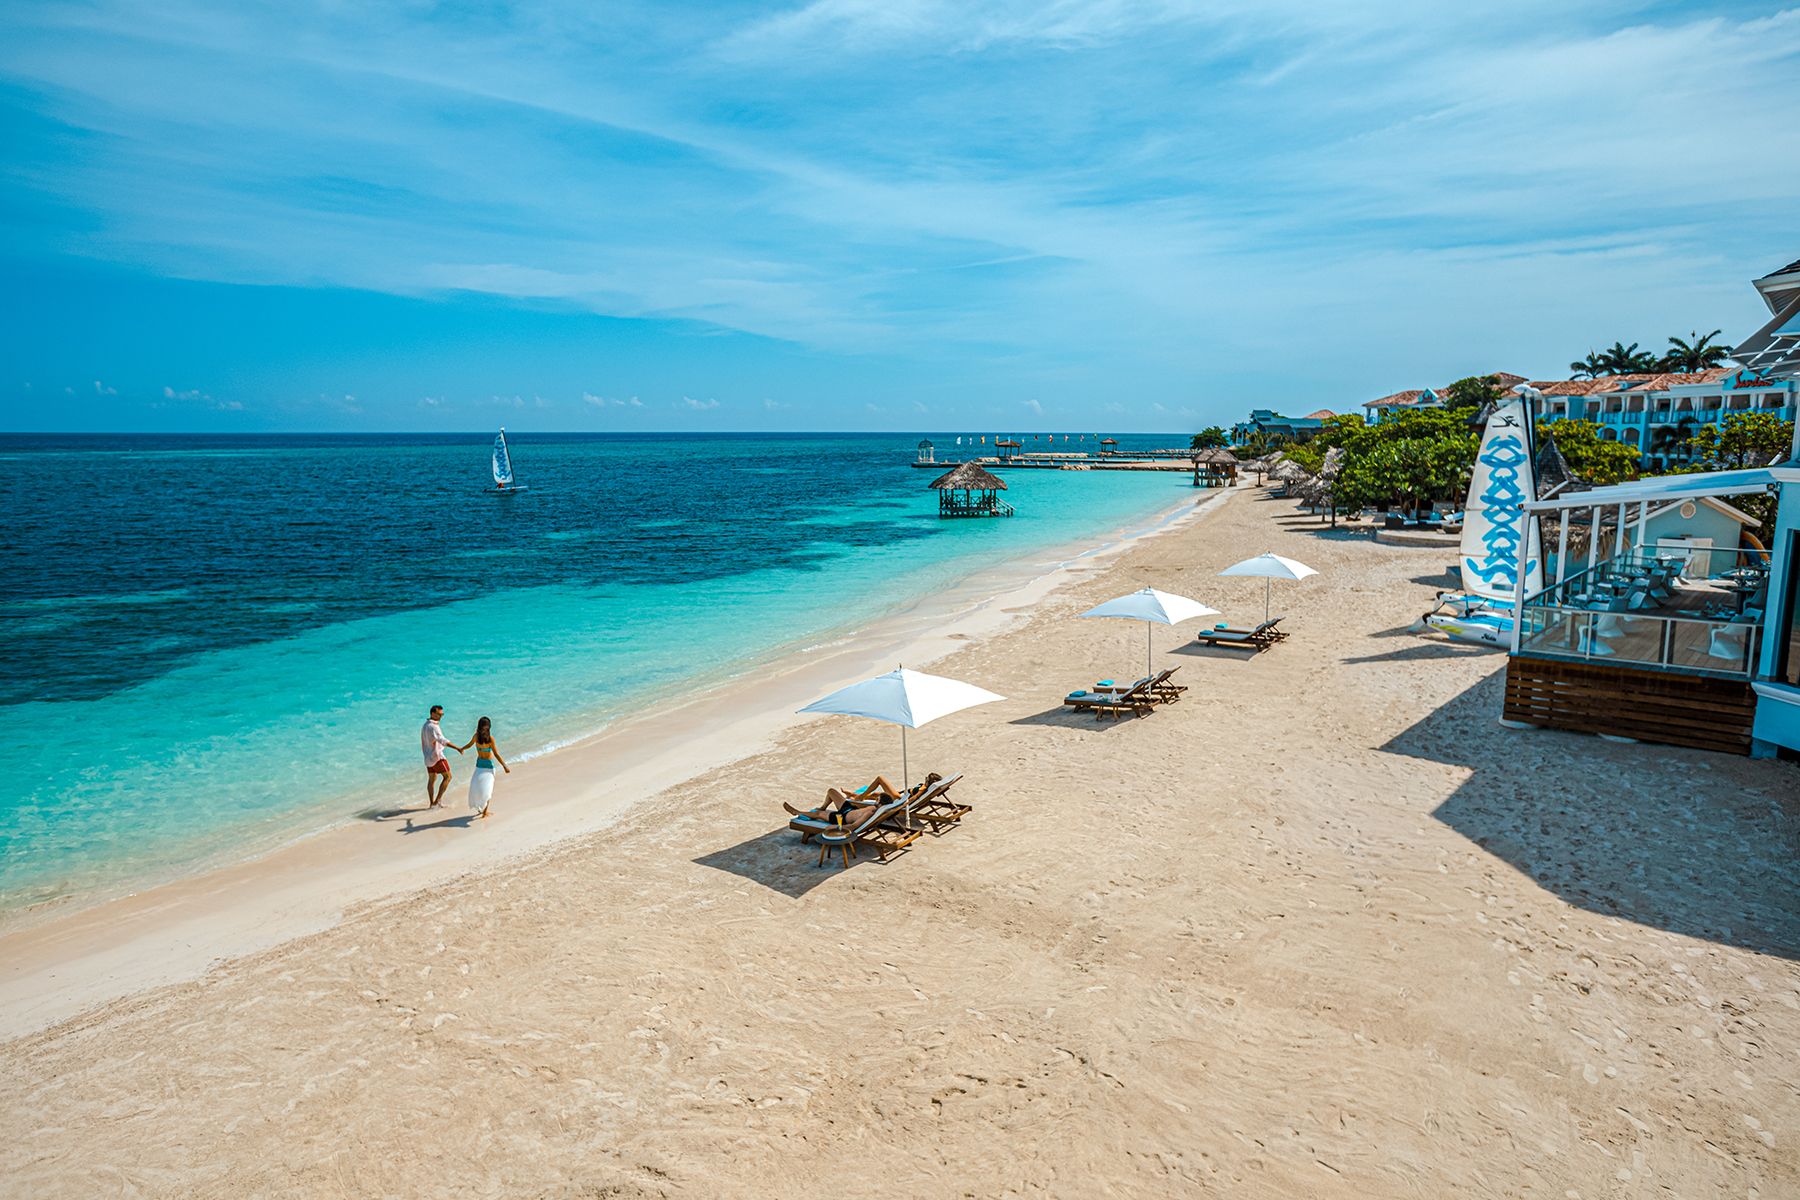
[[1787, 621]]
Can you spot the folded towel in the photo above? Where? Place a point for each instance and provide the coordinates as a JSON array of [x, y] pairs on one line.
[[1074, 694], [1221, 627], [1104, 683]]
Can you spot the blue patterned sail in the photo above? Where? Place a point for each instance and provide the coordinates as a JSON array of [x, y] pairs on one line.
[[1494, 522], [503, 476]]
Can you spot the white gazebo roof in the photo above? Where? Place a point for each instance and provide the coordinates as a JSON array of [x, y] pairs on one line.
[[1673, 487]]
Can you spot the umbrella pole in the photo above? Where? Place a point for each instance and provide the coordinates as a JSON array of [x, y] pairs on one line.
[[1268, 585], [905, 780], [1147, 671]]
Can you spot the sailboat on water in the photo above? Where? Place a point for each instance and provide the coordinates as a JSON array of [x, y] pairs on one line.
[[1498, 539], [503, 469]]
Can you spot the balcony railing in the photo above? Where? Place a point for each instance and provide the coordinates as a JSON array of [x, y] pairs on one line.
[[1694, 610]]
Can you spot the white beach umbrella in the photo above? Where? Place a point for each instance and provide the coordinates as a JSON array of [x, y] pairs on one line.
[[1271, 567], [904, 698], [1152, 607]]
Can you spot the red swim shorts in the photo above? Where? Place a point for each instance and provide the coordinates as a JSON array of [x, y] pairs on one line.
[[440, 767]]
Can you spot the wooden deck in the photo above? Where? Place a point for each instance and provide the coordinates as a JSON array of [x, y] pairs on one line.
[[1669, 707]]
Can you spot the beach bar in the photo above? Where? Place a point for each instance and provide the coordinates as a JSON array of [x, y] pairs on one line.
[[1663, 639], [970, 491]]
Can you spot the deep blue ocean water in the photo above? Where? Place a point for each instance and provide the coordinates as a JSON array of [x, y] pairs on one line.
[[216, 643]]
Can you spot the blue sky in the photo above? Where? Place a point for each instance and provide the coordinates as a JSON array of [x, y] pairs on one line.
[[864, 214]]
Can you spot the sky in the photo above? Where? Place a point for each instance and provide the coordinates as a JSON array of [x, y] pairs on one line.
[[864, 214]]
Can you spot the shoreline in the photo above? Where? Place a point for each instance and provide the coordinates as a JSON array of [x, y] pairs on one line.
[[63, 961]]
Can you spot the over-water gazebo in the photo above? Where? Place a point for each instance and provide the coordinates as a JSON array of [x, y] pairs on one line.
[[970, 491], [1215, 468]]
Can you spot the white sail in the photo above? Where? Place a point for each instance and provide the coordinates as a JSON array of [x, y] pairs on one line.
[[503, 476], [1494, 523]]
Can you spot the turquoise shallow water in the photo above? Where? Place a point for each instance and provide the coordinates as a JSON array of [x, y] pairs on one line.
[[225, 643]]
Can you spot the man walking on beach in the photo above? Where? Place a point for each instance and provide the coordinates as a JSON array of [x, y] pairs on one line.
[[432, 741]]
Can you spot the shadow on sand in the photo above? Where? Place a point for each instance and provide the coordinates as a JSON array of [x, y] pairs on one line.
[[1425, 651], [778, 861], [1705, 845], [460, 821], [1069, 718]]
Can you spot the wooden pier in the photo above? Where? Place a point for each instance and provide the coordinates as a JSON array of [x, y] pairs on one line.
[[1068, 462]]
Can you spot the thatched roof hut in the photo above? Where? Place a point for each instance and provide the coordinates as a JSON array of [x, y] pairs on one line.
[[1214, 467], [968, 477], [970, 490]]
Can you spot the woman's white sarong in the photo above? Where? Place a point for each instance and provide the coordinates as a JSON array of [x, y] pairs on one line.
[[481, 788]]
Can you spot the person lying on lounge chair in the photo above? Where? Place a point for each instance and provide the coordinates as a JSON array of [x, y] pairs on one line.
[[843, 806]]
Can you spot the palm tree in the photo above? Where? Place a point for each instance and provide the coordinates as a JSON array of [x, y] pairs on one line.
[[1589, 367], [1620, 359], [1696, 354]]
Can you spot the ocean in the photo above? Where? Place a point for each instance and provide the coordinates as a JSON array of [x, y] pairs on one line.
[[215, 644]]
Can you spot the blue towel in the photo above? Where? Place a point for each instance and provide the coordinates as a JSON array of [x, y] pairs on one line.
[[1104, 683], [1076, 693], [1221, 627]]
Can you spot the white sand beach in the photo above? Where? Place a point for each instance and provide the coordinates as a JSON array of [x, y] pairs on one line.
[[1323, 928]]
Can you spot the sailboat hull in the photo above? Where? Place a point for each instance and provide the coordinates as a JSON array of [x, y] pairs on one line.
[[1479, 628]]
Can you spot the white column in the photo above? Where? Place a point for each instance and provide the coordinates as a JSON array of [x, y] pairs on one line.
[[1593, 537], [1518, 629], [1562, 544]]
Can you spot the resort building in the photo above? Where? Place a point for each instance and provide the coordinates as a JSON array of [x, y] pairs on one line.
[[1657, 414], [1271, 424], [1412, 400]]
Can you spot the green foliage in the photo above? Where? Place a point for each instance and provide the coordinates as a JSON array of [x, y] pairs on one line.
[[1620, 359], [1308, 456], [1213, 437], [1694, 353], [1590, 456], [1408, 459], [1474, 392], [1741, 440], [1335, 431], [1591, 367], [1260, 443]]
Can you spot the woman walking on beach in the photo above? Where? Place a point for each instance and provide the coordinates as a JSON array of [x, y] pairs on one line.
[[481, 786]]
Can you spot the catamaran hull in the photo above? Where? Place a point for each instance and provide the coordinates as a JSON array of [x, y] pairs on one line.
[[1483, 629]]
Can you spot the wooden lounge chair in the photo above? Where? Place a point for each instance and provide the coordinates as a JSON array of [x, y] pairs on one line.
[[1157, 686], [843, 838], [933, 806], [1136, 700], [808, 825], [1260, 638]]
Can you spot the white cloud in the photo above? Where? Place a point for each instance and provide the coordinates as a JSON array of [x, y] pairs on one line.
[[774, 405], [101, 389], [699, 405], [430, 401], [1221, 175], [1034, 407], [611, 401]]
